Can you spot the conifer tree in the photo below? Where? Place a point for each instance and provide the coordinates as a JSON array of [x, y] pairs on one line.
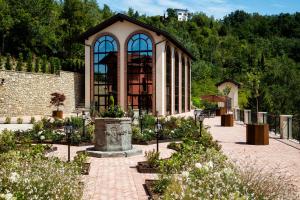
[[29, 63], [44, 64], [8, 62], [37, 65], [20, 62]]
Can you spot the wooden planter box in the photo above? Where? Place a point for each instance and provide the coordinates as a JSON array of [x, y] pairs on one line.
[[144, 167], [57, 114], [220, 111], [227, 120], [149, 187], [257, 134]]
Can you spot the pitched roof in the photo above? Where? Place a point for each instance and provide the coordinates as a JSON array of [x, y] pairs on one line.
[[230, 81], [121, 17]]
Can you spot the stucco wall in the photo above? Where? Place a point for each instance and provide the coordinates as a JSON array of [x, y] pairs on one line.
[[234, 93], [28, 94]]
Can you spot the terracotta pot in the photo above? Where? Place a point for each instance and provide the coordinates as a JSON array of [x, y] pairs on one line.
[[227, 120], [57, 114], [257, 134]]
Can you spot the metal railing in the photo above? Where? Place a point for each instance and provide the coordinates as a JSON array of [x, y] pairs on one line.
[[242, 116], [253, 117], [274, 123], [294, 131]]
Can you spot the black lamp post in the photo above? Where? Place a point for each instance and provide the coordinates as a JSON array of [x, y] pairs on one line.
[[83, 121], [68, 130], [141, 119], [201, 119], [158, 128], [197, 112]]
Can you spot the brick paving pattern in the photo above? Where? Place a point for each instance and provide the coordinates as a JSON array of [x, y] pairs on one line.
[[118, 179]]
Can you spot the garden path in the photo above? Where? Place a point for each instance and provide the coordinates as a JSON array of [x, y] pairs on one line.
[[115, 178], [275, 155]]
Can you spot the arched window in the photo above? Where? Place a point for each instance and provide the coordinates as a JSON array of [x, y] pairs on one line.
[[139, 72], [176, 82], [168, 80], [183, 84], [105, 70]]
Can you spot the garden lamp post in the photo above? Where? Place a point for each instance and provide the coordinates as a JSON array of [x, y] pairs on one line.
[[158, 128], [197, 112], [84, 117], [68, 130], [141, 119], [201, 119]]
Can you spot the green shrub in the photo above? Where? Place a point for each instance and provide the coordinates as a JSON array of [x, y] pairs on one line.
[[38, 126], [136, 134], [37, 65], [76, 122], [19, 120], [75, 138], [7, 120], [19, 66], [7, 140], [113, 112], [148, 134], [8, 65], [32, 120], [44, 64], [152, 158], [148, 121], [29, 63]]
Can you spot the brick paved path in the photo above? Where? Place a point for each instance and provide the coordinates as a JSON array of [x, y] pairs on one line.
[[115, 178], [118, 179], [275, 155]]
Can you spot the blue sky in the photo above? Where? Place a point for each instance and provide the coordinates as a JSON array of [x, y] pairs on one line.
[[216, 8]]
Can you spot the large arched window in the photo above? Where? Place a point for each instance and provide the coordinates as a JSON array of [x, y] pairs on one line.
[[105, 72], [168, 80], [183, 84], [176, 83], [139, 72]]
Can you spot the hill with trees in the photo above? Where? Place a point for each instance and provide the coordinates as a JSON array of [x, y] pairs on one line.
[[247, 47]]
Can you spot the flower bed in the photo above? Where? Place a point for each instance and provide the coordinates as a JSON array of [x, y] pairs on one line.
[[199, 170], [25, 172]]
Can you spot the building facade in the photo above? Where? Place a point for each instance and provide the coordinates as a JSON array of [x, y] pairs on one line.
[[233, 93], [141, 66], [182, 14]]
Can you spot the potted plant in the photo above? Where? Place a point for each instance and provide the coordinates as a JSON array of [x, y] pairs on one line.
[[256, 133], [226, 118], [57, 100]]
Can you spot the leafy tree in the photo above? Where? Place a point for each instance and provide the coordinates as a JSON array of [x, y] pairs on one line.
[[37, 65], [19, 66], [8, 65]]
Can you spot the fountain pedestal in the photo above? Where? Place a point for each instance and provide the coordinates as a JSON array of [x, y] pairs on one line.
[[113, 138]]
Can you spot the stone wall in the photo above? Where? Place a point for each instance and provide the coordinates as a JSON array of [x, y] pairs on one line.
[[28, 94]]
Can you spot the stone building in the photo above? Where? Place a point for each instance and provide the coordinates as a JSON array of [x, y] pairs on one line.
[[141, 66]]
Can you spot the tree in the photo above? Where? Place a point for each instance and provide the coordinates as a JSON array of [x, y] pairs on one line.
[[8, 65], [29, 63], [254, 85], [44, 63], [19, 66], [6, 23], [37, 65]]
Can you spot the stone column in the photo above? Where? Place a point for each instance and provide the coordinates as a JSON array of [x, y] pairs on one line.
[[180, 83], [160, 78], [87, 62], [247, 116], [173, 81], [285, 126], [262, 117]]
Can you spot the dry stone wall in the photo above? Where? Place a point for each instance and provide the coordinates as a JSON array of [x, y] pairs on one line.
[[28, 94]]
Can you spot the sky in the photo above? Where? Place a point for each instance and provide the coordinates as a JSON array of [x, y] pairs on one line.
[[216, 8]]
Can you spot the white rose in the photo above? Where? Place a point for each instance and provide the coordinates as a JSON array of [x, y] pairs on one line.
[[42, 137], [210, 164], [14, 177], [185, 174], [8, 196], [198, 165]]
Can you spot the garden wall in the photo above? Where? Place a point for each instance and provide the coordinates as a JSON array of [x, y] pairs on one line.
[[28, 94]]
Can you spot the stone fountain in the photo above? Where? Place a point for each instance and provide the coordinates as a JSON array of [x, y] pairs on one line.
[[113, 138]]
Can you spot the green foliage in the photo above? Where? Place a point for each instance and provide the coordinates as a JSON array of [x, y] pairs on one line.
[[19, 120], [8, 65], [37, 65], [7, 141], [19, 66], [76, 122], [152, 158], [111, 101], [32, 120], [29, 63], [44, 64], [113, 112], [7, 120]]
